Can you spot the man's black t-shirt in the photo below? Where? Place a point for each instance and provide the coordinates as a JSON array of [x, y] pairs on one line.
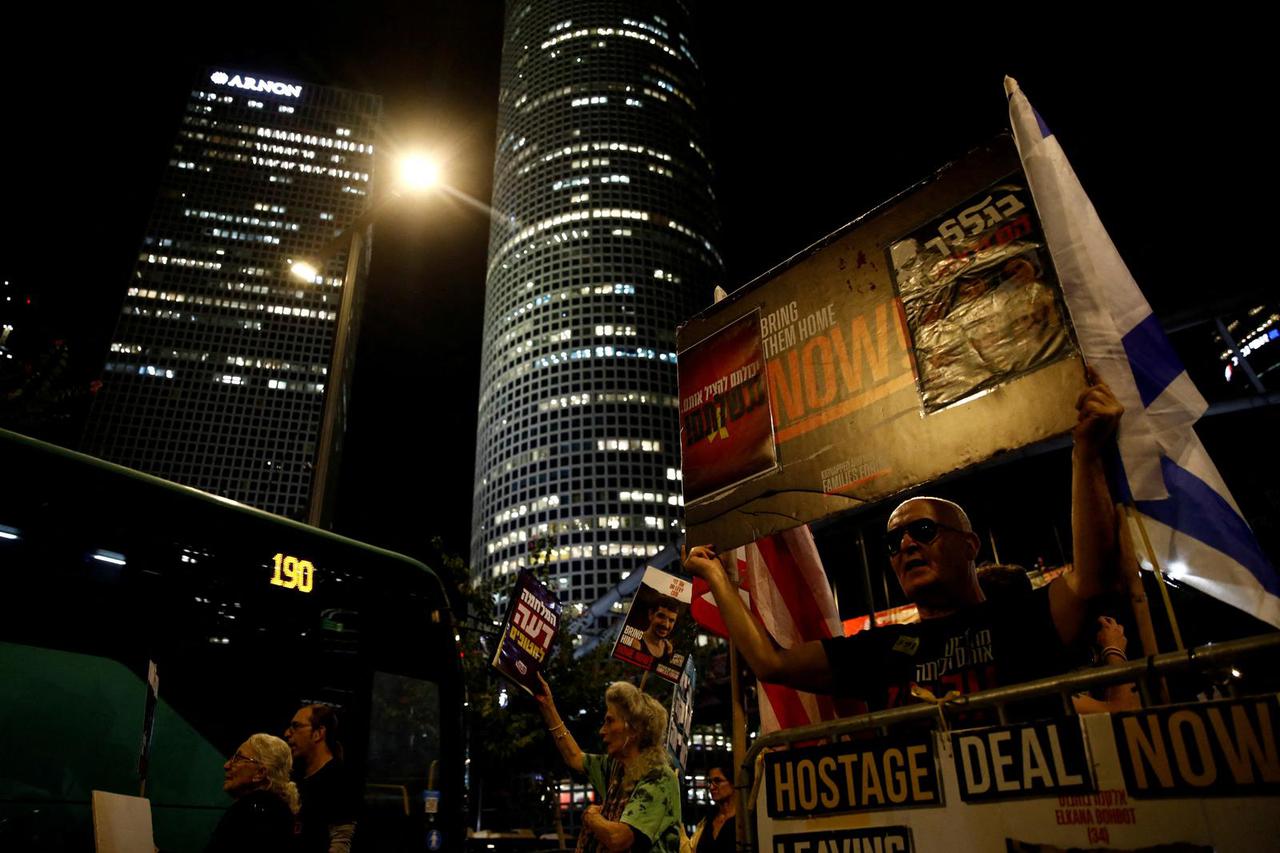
[[988, 645], [328, 796]]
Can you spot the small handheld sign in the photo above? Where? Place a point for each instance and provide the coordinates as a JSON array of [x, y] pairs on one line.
[[647, 634], [528, 632], [680, 721]]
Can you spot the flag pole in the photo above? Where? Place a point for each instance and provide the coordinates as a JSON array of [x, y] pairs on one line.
[[866, 580], [738, 742], [738, 724], [1132, 577], [1155, 565], [1138, 601], [738, 715]]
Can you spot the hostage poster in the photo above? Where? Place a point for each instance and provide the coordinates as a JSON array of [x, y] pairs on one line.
[[528, 632], [680, 720], [726, 433], [980, 295], [647, 639]]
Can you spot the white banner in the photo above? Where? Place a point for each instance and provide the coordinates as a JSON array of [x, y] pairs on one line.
[[1197, 777]]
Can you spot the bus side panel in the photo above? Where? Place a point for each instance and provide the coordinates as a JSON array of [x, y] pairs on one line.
[[71, 724], [184, 783]]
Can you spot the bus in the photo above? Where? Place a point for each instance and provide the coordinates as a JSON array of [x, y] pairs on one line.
[[149, 628]]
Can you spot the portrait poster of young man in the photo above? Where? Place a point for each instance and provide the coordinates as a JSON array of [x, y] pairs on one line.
[[648, 636]]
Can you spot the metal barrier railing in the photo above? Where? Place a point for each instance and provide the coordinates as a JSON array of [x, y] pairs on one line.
[[1143, 671]]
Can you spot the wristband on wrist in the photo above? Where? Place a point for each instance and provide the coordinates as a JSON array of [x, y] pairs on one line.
[[1114, 650]]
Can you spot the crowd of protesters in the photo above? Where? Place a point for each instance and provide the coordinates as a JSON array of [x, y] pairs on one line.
[[978, 629]]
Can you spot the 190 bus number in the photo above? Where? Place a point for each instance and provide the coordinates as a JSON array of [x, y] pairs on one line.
[[292, 573]]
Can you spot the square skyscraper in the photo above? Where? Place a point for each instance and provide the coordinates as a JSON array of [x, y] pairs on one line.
[[221, 361]]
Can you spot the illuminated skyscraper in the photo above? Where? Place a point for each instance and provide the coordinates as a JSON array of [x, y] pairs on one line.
[[601, 245], [219, 366]]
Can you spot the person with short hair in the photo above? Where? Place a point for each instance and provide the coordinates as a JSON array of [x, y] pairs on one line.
[[330, 798], [656, 640], [261, 818], [963, 642], [640, 808], [1004, 582]]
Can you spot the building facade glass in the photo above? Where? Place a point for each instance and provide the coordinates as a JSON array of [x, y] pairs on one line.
[[220, 363], [603, 242]]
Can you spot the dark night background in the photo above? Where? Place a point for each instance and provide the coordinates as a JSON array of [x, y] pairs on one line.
[[815, 118]]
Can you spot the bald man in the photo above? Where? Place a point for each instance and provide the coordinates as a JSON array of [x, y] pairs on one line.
[[963, 642]]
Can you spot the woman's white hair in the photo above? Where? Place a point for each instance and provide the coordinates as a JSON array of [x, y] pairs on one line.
[[275, 758], [646, 721]]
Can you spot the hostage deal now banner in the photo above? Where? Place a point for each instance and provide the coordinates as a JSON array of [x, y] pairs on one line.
[[923, 338], [1188, 778]]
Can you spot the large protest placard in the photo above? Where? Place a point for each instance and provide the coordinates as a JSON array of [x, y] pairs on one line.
[[528, 632], [647, 636], [1187, 777], [923, 338]]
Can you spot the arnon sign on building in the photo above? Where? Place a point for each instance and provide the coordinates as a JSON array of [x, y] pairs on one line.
[[254, 84]]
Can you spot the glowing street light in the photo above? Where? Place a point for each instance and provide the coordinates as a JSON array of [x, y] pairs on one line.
[[419, 173]]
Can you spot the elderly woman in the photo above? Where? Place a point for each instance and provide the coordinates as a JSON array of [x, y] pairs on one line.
[[641, 798], [262, 816]]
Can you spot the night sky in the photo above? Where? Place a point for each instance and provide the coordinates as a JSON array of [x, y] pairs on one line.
[[814, 120]]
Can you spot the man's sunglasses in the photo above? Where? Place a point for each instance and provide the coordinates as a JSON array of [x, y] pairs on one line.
[[922, 530]]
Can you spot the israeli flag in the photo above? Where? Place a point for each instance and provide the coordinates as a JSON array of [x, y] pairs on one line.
[[1195, 527]]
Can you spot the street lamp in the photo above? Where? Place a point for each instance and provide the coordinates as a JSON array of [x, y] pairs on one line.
[[417, 174]]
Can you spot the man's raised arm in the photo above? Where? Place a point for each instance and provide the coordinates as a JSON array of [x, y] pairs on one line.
[[804, 667], [1093, 517]]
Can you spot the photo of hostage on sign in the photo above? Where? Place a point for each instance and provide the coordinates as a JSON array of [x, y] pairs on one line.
[[528, 632], [726, 432], [648, 632], [979, 295]]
